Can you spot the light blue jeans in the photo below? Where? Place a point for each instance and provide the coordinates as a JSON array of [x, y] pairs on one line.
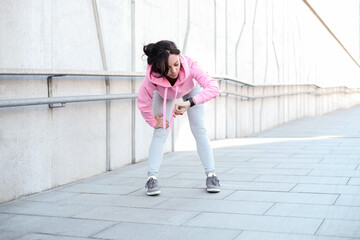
[[196, 120]]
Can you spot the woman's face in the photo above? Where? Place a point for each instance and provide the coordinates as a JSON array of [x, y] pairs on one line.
[[174, 66]]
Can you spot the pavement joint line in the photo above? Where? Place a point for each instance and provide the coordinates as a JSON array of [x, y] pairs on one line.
[[319, 227], [260, 175], [358, 167], [225, 198], [187, 220], [60, 217], [293, 187], [275, 166], [347, 183], [135, 191], [308, 174], [165, 200], [241, 231], [264, 214], [212, 227], [93, 235]]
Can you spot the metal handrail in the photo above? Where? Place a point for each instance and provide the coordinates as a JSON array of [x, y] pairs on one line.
[[53, 72], [87, 98], [63, 100], [231, 79], [40, 72], [247, 97]]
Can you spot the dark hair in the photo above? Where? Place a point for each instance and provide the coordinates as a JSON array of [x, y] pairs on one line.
[[158, 54]]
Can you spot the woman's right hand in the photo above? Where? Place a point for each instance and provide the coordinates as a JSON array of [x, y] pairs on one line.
[[159, 121]]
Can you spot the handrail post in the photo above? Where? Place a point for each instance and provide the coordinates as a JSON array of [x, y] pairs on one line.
[[50, 91]]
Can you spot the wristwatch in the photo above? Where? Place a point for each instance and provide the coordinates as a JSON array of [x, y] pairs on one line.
[[191, 100]]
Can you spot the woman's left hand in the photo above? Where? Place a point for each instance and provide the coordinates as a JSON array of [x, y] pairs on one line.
[[180, 108]]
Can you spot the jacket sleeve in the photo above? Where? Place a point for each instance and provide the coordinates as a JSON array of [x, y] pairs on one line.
[[209, 85], [144, 102]]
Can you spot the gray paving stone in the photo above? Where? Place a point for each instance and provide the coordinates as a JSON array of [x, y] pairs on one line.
[[256, 223], [179, 157], [181, 183], [138, 215], [273, 155], [354, 142], [306, 151], [191, 169], [236, 157], [318, 166], [4, 216], [273, 171], [308, 143], [285, 197], [340, 228], [221, 176], [54, 225], [321, 146], [106, 189], [253, 165], [348, 200], [183, 163], [116, 180], [143, 173], [222, 206], [302, 179], [340, 161], [256, 186], [287, 160], [232, 164], [327, 188], [326, 156], [131, 231], [48, 196], [251, 235], [244, 149], [131, 170], [43, 208], [6, 235], [232, 159], [315, 211], [335, 173], [285, 149], [114, 200], [37, 236], [353, 150], [187, 193]]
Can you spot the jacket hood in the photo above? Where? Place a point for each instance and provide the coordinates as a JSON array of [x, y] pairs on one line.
[[183, 74]]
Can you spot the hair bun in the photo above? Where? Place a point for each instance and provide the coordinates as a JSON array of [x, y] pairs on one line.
[[147, 49]]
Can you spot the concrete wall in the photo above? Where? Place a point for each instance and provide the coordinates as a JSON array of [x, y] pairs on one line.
[[259, 42]]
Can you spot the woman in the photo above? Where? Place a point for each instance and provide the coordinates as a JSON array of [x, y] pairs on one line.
[[170, 75]]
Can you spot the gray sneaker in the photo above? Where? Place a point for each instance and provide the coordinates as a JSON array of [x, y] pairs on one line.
[[152, 186], [213, 184]]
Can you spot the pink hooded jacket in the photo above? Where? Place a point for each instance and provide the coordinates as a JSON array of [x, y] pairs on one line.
[[189, 74]]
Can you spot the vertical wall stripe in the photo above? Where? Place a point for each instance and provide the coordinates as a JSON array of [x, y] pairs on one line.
[[238, 41], [187, 28], [107, 82], [226, 38], [215, 32], [215, 64], [133, 101], [253, 44]]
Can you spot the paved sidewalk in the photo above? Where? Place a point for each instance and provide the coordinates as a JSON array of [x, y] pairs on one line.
[[297, 181]]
